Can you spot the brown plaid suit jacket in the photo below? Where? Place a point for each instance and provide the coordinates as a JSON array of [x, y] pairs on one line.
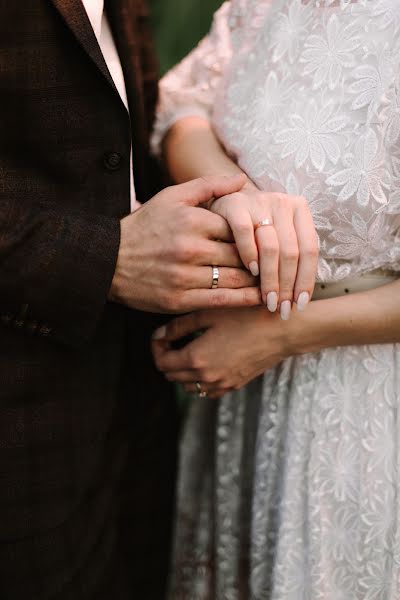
[[87, 427]]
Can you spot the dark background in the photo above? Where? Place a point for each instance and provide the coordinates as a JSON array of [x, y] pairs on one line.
[[179, 25]]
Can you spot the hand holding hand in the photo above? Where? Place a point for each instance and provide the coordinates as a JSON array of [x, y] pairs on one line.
[[168, 247], [236, 346], [285, 252]]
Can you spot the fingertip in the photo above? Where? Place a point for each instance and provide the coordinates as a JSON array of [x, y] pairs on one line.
[[272, 301], [254, 268], [160, 333], [286, 309], [303, 301]]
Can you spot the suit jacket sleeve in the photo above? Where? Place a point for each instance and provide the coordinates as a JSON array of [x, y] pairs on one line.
[[56, 269]]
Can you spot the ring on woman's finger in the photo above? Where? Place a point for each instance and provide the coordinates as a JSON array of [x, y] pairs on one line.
[[264, 223], [200, 392], [215, 278]]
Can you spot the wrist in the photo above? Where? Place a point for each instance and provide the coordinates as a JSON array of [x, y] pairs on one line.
[[339, 321], [279, 333], [311, 330]]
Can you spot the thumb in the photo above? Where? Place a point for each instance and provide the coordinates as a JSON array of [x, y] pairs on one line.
[[202, 190]]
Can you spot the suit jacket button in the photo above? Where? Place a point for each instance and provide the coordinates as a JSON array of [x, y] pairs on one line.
[[112, 161], [44, 330]]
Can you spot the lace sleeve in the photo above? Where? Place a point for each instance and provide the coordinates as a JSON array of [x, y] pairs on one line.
[[189, 88]]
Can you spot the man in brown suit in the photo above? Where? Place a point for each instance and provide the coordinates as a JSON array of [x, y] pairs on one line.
[[87, 428]]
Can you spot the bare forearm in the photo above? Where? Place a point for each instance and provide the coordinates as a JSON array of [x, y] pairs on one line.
[[192, 150], [371, 317]]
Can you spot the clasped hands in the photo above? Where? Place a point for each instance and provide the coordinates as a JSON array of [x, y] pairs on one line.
[[167, 251]]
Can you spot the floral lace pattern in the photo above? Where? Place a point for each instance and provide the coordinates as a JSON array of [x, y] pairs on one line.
[[305, 98], [289, 489]]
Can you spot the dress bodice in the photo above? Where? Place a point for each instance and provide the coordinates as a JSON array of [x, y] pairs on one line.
[[305, 96]]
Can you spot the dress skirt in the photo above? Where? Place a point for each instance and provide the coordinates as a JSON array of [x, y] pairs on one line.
[[289, 489]]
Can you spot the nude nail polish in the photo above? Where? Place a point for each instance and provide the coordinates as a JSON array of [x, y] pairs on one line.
[[286, 309], [254, 269], [302, 301], [272, 301]]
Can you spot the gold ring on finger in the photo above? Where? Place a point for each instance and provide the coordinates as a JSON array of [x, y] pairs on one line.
[[201, 393], [264, 223]]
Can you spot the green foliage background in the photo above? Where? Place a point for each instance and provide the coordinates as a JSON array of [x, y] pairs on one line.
[[179, 25]]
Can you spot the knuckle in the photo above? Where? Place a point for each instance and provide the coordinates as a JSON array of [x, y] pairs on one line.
[[286, 293], [196, 362], [285, 201], [270, 250], [290, 254], [302, 201], [236, 279], [282, 199], [234, 203], [205, 183], [183, 250], [240, 226], [206, 376], [226, 385], [286, 283], [187, 219], [172, 302], [166, 192], [310, 251], [251, 297], [164, 298], [179, 248], [219, 300], [176, 277]]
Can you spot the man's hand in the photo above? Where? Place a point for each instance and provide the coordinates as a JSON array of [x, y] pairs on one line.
[[168, 248]]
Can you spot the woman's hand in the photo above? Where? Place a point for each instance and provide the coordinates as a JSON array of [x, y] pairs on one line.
[[285, 253], [239, 344], [235, 347]]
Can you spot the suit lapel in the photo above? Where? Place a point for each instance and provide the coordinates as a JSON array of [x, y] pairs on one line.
[[122, 15], [74, 14]]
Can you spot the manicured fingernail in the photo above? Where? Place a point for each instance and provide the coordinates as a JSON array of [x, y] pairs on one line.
[[254, 270], [286, 308], [272, 301], [302, 301], [160, 333]]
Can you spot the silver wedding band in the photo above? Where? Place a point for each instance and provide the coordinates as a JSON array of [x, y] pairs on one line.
[[264, 223], [215, 278], [201, 393]]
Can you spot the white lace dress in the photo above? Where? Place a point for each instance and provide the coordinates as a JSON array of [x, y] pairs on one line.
[[290, 489]]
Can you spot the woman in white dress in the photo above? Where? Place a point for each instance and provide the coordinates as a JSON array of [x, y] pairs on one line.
[[290, 484]]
